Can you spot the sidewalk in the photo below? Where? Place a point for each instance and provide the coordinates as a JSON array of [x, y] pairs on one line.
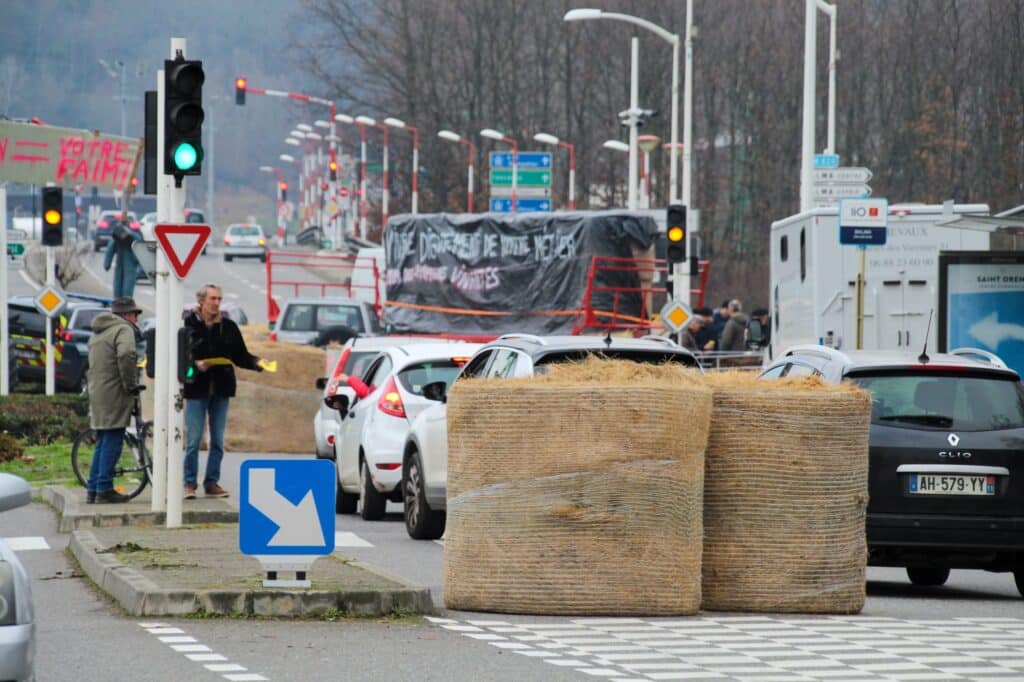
[[151, 570]]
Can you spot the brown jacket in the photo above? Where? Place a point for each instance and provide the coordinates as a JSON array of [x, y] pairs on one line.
[[112, 372]]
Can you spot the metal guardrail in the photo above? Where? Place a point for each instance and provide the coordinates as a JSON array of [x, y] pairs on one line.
[[747, 360]]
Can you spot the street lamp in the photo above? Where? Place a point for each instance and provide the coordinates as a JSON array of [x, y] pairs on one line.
[[345, 118], [319, 123], [367, 121], [124, 97], [810, 76], [648, 143], [545, 138], [492, 134], [616, 146], [304, 127], [455, 137], [279, 178], [397, 123], [586, 14]]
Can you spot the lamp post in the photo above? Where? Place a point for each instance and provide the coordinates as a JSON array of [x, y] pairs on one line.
[[648, 143], [345, 118], [811, 9], [124, 97], [367, 121], [397, 123], [616, 146], [585, 14], [545, 138], [279, 177], [492, 134], [455, 137]]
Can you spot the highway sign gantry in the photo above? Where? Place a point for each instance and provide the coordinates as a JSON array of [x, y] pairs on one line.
[[182, 244], [536, 178], [528, 160]]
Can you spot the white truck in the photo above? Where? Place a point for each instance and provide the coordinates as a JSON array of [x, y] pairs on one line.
[[813, 276]]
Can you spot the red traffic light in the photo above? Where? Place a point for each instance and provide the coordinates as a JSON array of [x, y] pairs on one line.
[[324, 186], [283, 186]]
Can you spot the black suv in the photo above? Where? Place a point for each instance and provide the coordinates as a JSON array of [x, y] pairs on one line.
[[946, 462], [28, 334]]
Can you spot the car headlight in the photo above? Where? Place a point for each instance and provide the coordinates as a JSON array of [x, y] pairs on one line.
[[8, 603]]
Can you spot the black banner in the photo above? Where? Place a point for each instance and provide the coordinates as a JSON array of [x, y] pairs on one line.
[[515, 273]]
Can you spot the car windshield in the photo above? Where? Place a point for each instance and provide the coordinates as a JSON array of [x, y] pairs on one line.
[[84, 318], [27, 322], [339, 315], [646, 356], [415, 377], [935, 400], [358, 361], [245, 231], [194, 217]]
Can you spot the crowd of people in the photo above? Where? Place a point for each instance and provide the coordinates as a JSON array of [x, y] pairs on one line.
[[727, 328]]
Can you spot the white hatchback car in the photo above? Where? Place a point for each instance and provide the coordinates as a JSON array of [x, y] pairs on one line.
[[388, 398], [245, 240]]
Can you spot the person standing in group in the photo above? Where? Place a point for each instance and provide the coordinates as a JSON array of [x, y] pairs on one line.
[[119, 254], [735, 335], [113, 385], [211, 338], [719, 320], [691, 336]]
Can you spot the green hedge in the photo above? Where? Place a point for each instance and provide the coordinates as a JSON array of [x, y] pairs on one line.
[[40, 419]]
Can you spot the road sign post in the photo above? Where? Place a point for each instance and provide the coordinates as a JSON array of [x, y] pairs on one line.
[[286, 516], [863, 222], [5, 385]]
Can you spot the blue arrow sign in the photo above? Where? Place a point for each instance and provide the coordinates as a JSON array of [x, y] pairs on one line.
[[504, 205], [526, 160], [826, 161], [286, 506]]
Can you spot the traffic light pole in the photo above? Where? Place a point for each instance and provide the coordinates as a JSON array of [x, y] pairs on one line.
[[50, 366], [162, 369], [5, 331]]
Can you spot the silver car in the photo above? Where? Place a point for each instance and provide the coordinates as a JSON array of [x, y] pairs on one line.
[[17, 622], [302, 320], [245, 240]]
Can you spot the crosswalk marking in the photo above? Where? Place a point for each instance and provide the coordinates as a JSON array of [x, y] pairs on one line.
[[23, 544]]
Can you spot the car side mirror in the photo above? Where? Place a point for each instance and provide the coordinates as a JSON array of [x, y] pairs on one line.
[[14, 492], [359, 386], [321, 383], [436, 390], [337, 402]]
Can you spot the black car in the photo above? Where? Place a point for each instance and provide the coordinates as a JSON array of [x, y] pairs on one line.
[[946, 456], [28, 336]]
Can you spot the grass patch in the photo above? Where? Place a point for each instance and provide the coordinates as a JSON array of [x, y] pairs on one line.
[[44, 465]]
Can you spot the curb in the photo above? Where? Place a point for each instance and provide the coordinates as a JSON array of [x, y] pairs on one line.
[[72, 517], [139, 596]]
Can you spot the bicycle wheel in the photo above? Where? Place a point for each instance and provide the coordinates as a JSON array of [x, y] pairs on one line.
[[131, 473]]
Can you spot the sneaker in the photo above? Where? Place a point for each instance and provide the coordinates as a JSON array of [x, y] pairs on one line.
[[90, 496], [214, 490], [190, 492], [111, 497]]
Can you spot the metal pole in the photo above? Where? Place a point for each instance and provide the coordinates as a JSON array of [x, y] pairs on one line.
[[515, 176], [362, 181], [832, 62], [415, 171], [634, 104], [175, 420], [5, 330], [50, 351], [572, 177], [673, 156], [469, 185], [384, 198], [161, 359], [210, 172], [124, 102], [688, 111], [807, 144], [333, 194], [860, 300]]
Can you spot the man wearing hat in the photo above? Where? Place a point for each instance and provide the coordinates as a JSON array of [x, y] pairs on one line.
[[112, 389]]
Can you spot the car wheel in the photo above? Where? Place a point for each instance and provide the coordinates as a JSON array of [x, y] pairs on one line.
[[372, 503], [421, 522], [345, 503], [263, 259], [227, 258], [928, 576]]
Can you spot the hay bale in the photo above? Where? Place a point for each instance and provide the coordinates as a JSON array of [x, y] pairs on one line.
[[785, 494], [577, 492]]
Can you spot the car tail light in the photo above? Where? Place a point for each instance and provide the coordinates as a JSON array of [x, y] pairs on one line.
[[391, 400], [460, 361], [273, 336], [103, 223], [134, 225], [330, 439], [388, 466], [67, 336], [227, 240]]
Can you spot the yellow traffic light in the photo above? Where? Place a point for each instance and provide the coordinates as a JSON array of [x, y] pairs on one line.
[[676, 234], [52, 217]]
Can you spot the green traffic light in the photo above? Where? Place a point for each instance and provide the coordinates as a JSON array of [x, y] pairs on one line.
[[186, 156]]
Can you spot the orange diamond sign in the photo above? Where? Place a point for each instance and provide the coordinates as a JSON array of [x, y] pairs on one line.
[[675, 315], [50, 301]]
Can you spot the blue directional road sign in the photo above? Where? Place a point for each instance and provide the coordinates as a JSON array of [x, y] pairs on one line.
[[504, 205], [826, 161], [286, 507], [527, 160]]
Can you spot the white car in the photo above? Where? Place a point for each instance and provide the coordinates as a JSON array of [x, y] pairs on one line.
[[388, 398], [425, 453], [147, 225], [17, 620], [350, 361], [245, 240]]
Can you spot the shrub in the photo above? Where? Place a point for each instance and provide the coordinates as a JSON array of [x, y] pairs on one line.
[[10, 448], [40, 419]]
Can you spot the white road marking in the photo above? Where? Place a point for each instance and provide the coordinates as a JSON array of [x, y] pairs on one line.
[[31, 282], [347, 539], [244, 677], [225, 667], [24, 544], [200, 653]]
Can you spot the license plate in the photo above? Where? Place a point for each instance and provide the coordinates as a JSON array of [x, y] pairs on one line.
[[952, 484], [25, 354]]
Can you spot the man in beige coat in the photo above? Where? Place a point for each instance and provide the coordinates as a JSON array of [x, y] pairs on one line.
[[112, 390]]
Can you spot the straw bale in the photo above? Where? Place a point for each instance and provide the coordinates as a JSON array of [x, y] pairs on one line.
[[785, 495], [577, 492]]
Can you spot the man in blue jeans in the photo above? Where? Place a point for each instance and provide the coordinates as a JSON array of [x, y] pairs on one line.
[[215, 346], [112, 389]]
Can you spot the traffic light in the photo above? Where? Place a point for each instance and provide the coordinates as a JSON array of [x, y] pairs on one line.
[[334, 171], [324, 186], [240, 84], [283, 188], [183, 117], [53, 216], [676, 233]]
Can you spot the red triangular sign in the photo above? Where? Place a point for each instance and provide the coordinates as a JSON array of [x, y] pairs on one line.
[[182, 244]]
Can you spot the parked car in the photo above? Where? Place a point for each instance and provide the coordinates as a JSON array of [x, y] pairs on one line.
[[28, 331], [17, 619], [425, 451], [352, 360], [104, 230], [147, 224], [245, 240], [388, 398], [197, 217], [303, 319], [945, 465]]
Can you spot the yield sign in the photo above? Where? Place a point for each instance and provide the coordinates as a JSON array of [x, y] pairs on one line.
[[182, 244]]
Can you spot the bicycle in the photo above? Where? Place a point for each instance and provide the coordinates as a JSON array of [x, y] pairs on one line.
[[134, 468]]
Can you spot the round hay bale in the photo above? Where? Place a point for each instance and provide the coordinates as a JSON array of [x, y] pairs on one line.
[[578, 492], [785, 494]]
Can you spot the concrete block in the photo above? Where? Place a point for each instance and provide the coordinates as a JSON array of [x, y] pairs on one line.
[[225, 602], [169, 603], [363, 603]]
